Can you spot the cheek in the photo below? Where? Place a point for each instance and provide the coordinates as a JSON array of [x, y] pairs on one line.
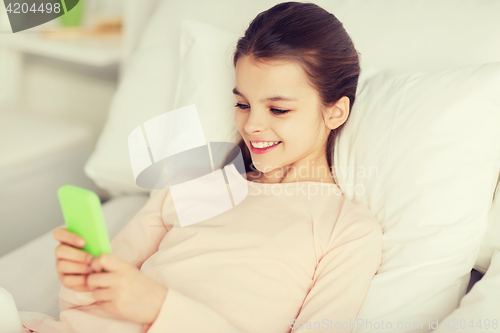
[[290, 130], [239, 121], [298, 132]]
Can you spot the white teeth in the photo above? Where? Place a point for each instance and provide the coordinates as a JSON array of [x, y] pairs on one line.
[[264, 144]]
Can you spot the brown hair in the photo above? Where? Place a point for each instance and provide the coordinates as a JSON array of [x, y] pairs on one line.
[[313, 38]]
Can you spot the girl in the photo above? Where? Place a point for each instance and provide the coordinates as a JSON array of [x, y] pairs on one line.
[[294, 253]]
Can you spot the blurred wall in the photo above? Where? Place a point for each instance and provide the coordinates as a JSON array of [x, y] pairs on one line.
[[38, 86], [84, 93], [69, 91]]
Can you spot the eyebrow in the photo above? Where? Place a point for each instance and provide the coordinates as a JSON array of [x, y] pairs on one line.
[[271, 99]]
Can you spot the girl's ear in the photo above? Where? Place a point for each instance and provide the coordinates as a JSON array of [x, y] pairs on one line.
[[337, 113]]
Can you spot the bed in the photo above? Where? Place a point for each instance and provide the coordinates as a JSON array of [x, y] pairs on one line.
[[404, 44]]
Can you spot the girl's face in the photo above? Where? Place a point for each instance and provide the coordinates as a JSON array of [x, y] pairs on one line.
[[276, 105]]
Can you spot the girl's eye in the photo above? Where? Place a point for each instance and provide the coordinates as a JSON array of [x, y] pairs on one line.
[[275, 111], [241, 106], [278, 111]]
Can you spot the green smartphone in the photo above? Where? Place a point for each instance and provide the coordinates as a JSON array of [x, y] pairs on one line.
[[82, 213]]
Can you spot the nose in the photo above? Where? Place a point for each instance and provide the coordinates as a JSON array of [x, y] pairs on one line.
[[256, 121]]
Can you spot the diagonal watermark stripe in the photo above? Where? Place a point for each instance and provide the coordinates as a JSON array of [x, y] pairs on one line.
[[171, 150]]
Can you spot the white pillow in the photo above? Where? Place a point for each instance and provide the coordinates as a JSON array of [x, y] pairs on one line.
[[491, 241], [207, 78], [479, 309], [146, 91], [433, 142]]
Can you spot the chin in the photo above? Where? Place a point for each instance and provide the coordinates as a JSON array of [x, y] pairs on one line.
[[266, 168]]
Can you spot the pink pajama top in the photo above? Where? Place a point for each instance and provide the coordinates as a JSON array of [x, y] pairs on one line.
[[290, 257]]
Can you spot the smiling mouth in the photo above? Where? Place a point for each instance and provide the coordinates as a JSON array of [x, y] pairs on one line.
[[265, 149], [264, 144]]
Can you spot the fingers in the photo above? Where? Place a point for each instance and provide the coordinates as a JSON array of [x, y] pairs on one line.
[[97, 265], [108, 262], [70, 267], [65, 236], [75, 282], [82, 289], [73, 275], [67, 252]]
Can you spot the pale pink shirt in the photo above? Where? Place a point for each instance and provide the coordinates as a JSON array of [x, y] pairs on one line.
[[289, 255]]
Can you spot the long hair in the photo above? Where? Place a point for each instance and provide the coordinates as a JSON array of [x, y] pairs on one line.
[[315, 39]]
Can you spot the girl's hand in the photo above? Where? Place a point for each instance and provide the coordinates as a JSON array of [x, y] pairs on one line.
[[72, 264], [124, 290]]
